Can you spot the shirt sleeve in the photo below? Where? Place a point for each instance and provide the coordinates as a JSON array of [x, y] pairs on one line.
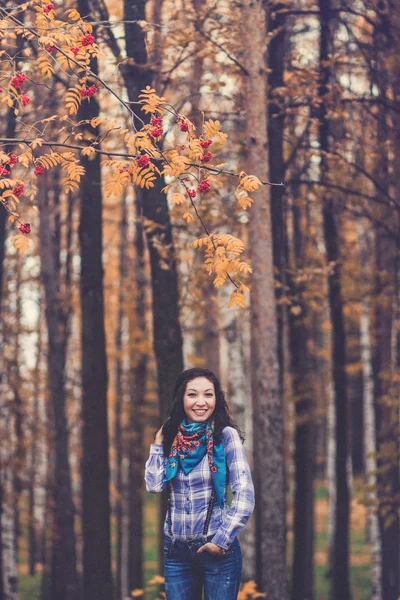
[[155, 469], [236, 517]]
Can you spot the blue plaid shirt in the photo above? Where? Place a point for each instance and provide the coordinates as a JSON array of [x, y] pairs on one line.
[[191, 493]]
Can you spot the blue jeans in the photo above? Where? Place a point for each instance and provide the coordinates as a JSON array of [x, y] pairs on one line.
[[186, 573]]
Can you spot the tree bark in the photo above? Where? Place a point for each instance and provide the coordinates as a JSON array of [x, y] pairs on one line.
[[119, 394], [340, 567], [64, 581], [385, 301], [369, 423], [97, 576], [268, 429], [167, 335], [276, 120], [138, 368], [305, 439]]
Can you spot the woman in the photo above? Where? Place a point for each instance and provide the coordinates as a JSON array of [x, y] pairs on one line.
[[196, 454]]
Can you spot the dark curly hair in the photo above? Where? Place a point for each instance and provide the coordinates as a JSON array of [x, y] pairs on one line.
[[176, 413]]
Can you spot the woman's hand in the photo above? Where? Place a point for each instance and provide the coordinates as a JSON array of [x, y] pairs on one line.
[[211, 548], [159, 438]]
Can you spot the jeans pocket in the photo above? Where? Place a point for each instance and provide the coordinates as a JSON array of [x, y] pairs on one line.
[[167, 547]]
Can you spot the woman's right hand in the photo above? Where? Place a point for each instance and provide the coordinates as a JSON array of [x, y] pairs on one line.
[[159, 438]]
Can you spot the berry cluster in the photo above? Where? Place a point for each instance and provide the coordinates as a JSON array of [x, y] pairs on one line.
[[88, 92], [18, 189], [207, 157], [183, 126], [48, 8], [74, 50], [156, 121], [51, 49], [12, 160], [88, 40], [204, 186], [4, 171], [205, 143], [25, 228], [191, 193], [39, 170], [18, 80], [143, 161], [156, 131], [25, 99]]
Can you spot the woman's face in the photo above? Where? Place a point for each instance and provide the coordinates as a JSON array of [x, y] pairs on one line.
[[199, 400]]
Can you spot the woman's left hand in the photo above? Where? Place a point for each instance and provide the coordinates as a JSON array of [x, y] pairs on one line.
[[211, 548]]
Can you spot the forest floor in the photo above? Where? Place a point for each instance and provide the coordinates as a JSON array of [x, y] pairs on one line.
[[360, 552]]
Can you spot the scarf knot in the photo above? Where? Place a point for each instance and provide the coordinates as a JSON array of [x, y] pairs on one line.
[[192, 442]]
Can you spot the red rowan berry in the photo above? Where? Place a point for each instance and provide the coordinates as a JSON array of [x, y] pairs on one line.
[[25, 99], [191, 193], [143, 161], [39, 170], [204, 186], [25, 228], [51, 49], [48, 8], [12, 160], [205, 143], [88, 40], [156, 121], [183, 126], [4, 171], [207, 157], [74, 50], [18, 189], [18, 80], [156, 132]]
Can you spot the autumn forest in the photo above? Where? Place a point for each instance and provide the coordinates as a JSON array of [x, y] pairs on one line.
[[199, 183]]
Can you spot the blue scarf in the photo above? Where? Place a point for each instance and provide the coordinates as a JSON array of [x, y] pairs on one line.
[[192, 442]]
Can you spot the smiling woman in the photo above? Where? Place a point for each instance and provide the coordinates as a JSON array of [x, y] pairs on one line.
[[199, 400], [197, 454]]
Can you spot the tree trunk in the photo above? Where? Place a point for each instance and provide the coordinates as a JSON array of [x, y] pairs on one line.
[[64, 581], [340, 567], [119, 393], [167, 335], [384, 367], [97, 577], [369, 424], [32, 526], [138, 359], [276, 119], [386, 410], [235, 326], [305, 439], [268, 429]]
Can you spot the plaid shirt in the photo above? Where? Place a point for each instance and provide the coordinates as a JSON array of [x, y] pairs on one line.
[[191, 493]]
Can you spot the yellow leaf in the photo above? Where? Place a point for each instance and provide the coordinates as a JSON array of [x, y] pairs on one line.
[[237, 299], [250, 183], [177, 198], [188, 217], [73, 14], [21, 242]]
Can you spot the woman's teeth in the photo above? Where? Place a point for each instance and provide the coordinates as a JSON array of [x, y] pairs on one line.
[[199, 412]]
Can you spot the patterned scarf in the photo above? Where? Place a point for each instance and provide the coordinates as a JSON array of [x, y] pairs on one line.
[[191, 443]]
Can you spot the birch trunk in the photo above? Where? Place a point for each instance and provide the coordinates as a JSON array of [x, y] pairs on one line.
[[369, 426]]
